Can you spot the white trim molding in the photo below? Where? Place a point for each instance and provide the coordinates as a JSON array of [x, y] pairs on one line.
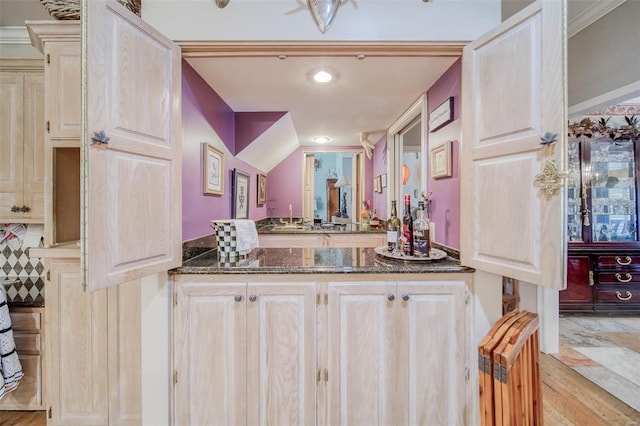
[[14, 35], [606, 99], [591, 14]]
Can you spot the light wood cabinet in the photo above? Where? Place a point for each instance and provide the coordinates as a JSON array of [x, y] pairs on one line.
[[326, 352], [21, 141], [397, 353], [28, 333], [94, 350], [245, 353]]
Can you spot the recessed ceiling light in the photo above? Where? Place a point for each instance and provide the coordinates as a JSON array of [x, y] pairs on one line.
[[321, 139], [322, 77]]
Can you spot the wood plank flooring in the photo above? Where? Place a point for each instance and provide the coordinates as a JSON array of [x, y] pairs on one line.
[[567, 397]]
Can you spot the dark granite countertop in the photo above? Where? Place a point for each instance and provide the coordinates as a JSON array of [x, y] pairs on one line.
[[314, 261], [351, 228]]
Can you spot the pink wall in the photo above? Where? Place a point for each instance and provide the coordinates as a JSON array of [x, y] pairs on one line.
[[207, 118], [379, 202], [250, 125], [284, 183], [445, 204]]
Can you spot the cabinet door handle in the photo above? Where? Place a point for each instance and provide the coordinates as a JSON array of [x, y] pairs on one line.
[[626, 279], [238, 298], [626, 262], [253, 298], [627, 294], [405, 297], [25, 209], [15, 209], [391, 297]]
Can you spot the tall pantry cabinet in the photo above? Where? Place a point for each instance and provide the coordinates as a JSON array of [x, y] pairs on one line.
[[93, 345]]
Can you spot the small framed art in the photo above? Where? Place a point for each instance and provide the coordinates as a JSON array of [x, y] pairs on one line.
[[213, 170], [240, 190], [262, 190], [441, 161]]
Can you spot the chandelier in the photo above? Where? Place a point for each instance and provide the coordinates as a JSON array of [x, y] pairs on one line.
[[323, 11]]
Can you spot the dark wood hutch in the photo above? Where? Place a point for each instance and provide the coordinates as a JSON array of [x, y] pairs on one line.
[[603, 271]]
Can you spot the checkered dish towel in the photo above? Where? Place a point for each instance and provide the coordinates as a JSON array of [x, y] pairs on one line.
[[10, 367]]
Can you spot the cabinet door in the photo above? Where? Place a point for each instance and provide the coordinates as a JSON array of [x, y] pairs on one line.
[[63, 110], [211, 384], [131, 203], [76, 332], [432, 353], [11, 134], [362, 354], [281, 354], [579, 289], [125, 354], [33, 164]]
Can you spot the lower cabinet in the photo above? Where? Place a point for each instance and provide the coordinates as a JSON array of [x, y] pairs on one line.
[[94, 350], [397, 353], [578, 296], [245, 354], [27, 325], [328, 353]]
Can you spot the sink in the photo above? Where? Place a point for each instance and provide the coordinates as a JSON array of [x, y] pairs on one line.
[[289, 228]]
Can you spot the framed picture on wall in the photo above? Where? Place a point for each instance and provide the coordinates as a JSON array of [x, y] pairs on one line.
[[441, 160], [212, 170], [262, 189], [384, 180], [441, 116], [240, 195]]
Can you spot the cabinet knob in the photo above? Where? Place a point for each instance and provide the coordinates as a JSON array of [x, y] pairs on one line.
[[253, 298], [405, 297], [238, 298], [391, 297], [627, 277], [627, 294], [100, 138], [25, 209], [627, 261], [15, 209]]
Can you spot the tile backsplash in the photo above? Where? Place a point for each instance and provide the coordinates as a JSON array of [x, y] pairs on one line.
[[15, 241]]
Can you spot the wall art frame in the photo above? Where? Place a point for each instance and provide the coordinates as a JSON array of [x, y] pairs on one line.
[[212, 170], [441, 161], [261, 193], [240, 192]]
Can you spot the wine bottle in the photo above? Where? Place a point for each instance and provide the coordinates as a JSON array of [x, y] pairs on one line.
[[407, 227], [393, 227], [421, 237]]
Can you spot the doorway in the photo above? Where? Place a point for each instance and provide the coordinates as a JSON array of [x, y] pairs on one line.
[[334, 182]]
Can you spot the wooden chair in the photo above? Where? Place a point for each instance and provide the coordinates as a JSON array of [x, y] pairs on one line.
[[509, 379]]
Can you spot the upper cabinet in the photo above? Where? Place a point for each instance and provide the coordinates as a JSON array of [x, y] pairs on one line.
[[21, 141], [603, 188]]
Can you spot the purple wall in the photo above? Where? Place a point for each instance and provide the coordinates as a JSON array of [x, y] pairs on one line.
[[379, 202], [284, 183], [207, 118], [250, 125], [445, 204]]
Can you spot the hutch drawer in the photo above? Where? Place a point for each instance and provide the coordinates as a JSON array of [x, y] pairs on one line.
[[618, 277], [618, 261], [619, 295]]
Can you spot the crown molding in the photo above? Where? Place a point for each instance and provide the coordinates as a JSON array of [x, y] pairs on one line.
[[14, 35], [588, 16]]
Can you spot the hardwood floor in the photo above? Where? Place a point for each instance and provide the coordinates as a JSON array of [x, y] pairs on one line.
[[567, 397]]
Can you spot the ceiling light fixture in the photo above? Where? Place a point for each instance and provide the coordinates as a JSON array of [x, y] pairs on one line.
[[322, 77], [321, 139], [323, 12]]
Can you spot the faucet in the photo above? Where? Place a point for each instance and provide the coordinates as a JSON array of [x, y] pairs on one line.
[[291, 223]]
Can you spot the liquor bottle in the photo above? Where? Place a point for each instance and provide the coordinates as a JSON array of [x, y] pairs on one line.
[[393, 228], [421, 237], [364, 216], [407, 227]]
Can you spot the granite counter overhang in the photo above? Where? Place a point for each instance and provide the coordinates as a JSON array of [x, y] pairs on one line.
[[318, 260]]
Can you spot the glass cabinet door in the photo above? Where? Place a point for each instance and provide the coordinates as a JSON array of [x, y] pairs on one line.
[[613, 191], [575, 201]]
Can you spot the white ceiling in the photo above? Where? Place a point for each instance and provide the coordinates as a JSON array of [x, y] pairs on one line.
[[367, 95]]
